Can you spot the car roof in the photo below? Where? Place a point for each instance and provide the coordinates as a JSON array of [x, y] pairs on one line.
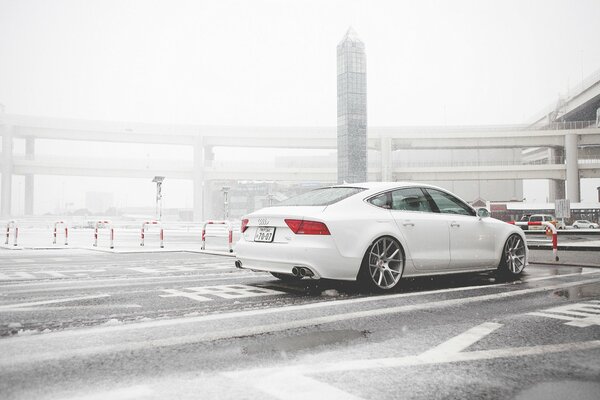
[[381, 186]]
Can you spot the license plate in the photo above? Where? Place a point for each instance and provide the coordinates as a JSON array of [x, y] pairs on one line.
[[264, 234]]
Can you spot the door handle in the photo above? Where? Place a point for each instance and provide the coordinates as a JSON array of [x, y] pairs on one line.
[[408, 223], [454, 224]]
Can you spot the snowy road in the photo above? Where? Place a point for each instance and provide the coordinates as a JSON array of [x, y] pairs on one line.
[[79, 324]]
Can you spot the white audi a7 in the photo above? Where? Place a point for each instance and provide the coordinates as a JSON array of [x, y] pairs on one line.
[[377, 233]]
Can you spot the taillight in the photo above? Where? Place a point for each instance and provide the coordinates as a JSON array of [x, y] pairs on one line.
[[244, 225], [303, 227]]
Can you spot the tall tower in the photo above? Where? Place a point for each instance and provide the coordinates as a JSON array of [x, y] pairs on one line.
[[351, 109]]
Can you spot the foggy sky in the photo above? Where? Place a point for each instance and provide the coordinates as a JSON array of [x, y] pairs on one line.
[[268, 62]]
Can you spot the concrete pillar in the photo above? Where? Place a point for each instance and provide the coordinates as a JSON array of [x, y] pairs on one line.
[[386, 159], [29, 179], [556, 187], [7, 172], [198, 179], [571, 140]]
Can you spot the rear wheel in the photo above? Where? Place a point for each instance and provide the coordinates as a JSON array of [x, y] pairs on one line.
[[286, 277], [513, 256], [383, 264]]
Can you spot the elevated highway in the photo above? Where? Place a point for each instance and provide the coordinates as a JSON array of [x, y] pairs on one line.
[[566, 137]]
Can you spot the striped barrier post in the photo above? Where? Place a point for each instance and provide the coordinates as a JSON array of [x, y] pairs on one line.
[[12, 224], [161, 233], [112, 233], [549, 227], [229, 233], [56, 224]]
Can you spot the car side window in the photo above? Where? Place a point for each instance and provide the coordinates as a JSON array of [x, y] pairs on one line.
[[535, 218], [410, 199], [383, 200], [448, 204]]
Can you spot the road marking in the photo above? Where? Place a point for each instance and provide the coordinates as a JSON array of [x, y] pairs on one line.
[[20, 275], [129, 281], [298, 387], [179, 268], [63, 344], [180, 293], [580, 315], [16, 307], [328, 318], [16, 276], [132, 392], [462, 341], [22, 260], [223, 291], [447, 352]]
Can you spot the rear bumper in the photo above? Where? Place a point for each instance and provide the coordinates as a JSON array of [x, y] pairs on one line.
[[317, 253]]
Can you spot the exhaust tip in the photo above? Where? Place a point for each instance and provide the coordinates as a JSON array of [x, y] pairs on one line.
[[238, 264], [296, 271]]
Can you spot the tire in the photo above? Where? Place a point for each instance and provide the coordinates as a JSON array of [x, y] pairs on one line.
[[591, 227], [382, 265], [286, 277], [576, 226], [513, 260]]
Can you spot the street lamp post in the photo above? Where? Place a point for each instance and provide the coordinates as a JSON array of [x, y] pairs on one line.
[[225, 190], [158, 180]]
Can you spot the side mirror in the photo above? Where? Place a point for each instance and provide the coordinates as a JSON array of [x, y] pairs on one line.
[[483, 212]]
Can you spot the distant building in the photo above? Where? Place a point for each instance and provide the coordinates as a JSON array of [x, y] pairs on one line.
[[351, 109], [98, 202]]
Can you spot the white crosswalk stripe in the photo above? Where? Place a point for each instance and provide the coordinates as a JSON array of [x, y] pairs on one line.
[[579, 314]]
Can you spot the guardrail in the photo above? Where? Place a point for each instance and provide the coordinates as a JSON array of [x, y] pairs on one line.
[[229, 231], [161, 235], [56, 224], [12, 224], [106, 224], [549, 226]]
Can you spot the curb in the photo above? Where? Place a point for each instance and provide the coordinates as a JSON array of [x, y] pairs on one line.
[[564, 248], [559, 264]]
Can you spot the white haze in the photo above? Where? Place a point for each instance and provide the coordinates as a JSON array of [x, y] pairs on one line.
[[273, 63]]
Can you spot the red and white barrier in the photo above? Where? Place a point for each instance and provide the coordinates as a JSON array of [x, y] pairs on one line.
[[229, 231], [549, 226], [56, 224], [107, 224], [146, 223], [12, 224]]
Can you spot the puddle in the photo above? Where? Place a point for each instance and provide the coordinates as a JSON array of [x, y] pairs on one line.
[[579, 292], [561, 390], [307, 341]]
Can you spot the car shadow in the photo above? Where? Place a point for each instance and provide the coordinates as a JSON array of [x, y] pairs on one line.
[[333, 288]]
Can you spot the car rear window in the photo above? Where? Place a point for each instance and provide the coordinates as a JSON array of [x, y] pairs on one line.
[[321, 197]]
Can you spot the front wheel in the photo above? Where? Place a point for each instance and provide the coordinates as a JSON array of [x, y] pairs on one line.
[[513, 256], [383, 264]]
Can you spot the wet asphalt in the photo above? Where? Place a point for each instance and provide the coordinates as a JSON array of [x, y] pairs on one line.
[[79, 324]]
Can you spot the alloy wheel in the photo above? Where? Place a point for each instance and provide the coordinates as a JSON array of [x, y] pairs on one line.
[[386, 263], [514, 254]]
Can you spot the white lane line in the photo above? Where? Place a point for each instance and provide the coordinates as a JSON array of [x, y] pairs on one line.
[[578, 314], [462, 341], [9, 346], [329, 318], [11, 307], [129, 281], [287, 386], [78, 307], [447, 352], [132, 392]]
